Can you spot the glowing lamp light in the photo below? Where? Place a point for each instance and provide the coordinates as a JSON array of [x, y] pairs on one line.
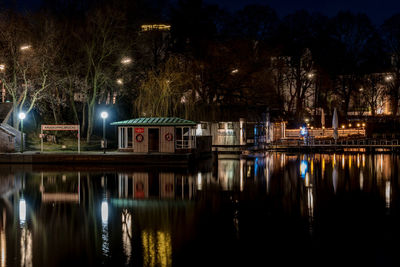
[[104, 212], [358, 125], [363, 124], [349, 124], [303, 168], [234, 71], [303, 131], [343, 126], [126, 60], [25, 47], [120, 81], [104, 115], [22, 210], [21, 115], [2, 67]]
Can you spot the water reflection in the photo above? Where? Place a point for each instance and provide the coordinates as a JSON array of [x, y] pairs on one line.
[[157, 217]]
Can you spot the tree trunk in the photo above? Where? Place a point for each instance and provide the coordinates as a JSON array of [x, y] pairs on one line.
[[90, 120], [83, 126], [394, 104], [73, 106]]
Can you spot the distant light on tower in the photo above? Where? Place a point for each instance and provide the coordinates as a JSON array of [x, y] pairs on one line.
[[234, 71]]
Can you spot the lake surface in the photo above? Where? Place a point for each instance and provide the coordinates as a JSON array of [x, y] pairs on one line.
[[270, 209]]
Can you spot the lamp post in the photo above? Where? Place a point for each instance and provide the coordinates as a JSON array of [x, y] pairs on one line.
[[104, 116], [22, 116]]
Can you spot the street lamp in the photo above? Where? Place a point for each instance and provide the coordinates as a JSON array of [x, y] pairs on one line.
[[104, 116], [22, 116]]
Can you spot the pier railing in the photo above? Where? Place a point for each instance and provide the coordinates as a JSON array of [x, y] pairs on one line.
[[312, 142]]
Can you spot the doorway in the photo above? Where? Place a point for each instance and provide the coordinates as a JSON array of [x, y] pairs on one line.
[[154, 140]]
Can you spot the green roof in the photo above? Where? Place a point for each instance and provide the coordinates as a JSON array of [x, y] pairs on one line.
[[155, 121]]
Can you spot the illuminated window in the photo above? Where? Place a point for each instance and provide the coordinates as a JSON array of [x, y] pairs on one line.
[[230, 125], [204, 126], [221, 125], [155, 27]]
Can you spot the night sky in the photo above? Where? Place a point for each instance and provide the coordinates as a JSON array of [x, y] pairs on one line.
[[378, 11]]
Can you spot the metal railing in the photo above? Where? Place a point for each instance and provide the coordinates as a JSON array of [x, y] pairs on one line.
[[341, 142]]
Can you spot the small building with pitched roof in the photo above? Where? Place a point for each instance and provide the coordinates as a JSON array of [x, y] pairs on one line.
[[156, 134]]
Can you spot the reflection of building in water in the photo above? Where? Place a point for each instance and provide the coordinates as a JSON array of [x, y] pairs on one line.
[[126, 219], [228, 171], [164, 185], [157, 248], [56, 188]]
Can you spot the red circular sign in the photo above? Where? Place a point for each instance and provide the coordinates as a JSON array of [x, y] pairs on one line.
[[169, 137], [139, 138]]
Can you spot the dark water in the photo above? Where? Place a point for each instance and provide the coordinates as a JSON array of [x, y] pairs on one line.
[[265, 210]]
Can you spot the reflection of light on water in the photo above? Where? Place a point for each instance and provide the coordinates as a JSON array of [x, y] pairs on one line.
[[303, 168], [242, 163], [127, 234], [334, 179], [381, 163], [350, 158], [312, 167], [227, 170], [363, 160], [387, 194], [334, 160], [104, 229], [3, 248], [22, 211], [307, 180], [157, 249], [104, 212], [268, 163], [323, 167], [358, 160], [199, 181], [26, 247], [343, 163], [361, 180], [310, 202]]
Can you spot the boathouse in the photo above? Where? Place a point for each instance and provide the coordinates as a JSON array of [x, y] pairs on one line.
[[159, 134]]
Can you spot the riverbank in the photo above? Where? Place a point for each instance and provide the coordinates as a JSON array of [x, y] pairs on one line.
[[99, 158]]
